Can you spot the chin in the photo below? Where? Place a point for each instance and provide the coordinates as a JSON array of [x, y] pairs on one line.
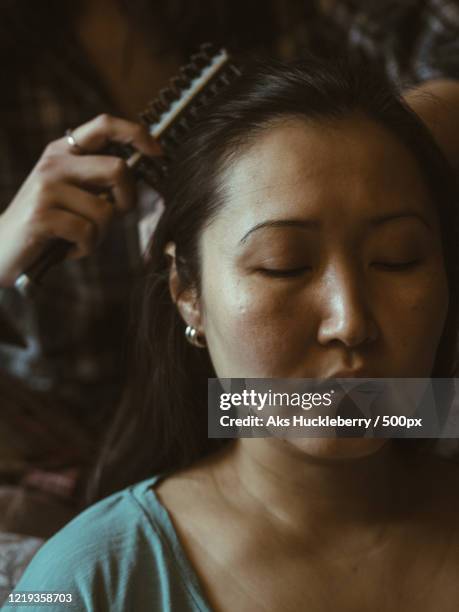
[[337, 449]]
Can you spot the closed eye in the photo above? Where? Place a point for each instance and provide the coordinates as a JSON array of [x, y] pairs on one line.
[[401, 265], [283, 273]]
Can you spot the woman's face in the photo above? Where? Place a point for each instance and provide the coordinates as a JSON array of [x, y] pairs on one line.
[[326, 257]]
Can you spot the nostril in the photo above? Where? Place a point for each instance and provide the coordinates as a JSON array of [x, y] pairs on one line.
[[351, 333]]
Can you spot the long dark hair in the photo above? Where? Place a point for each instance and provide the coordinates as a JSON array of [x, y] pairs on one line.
[[162, 424]]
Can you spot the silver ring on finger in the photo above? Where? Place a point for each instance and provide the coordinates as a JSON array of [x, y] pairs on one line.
[[73, 145]]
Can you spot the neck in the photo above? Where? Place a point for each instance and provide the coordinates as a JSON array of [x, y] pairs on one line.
[[329, 500]]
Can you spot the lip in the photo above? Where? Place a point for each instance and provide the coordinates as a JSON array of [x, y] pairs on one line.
[[368, 386], [333, 378]]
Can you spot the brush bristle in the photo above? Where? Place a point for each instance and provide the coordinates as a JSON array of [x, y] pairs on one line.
[[171, 115]]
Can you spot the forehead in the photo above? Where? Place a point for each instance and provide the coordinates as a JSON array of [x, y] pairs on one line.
[[341, 170]]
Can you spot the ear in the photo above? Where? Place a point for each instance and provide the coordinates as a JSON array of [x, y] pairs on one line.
[[186, 300]]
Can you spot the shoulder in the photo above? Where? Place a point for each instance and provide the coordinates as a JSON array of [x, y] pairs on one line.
[[96, 555]]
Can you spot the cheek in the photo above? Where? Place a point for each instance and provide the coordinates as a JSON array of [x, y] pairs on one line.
[[413, 321], [252, 327]]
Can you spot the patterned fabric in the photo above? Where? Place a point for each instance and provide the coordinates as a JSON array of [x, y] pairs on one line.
[[414, 40], [15, 554]]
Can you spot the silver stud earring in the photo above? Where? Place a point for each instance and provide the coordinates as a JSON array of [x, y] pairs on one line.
[[193, 337]]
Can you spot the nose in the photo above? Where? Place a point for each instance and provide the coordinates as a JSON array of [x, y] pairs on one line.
[[345, 314]]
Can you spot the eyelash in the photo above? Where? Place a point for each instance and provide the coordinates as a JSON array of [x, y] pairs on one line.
[[298, 271], [405, 265], [283, 273]]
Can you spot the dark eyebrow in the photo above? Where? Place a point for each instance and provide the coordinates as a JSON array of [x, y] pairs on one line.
[[312, 224], [379, 220], [301, 223]]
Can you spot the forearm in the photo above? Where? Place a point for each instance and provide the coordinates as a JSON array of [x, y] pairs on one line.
[[437, 103]]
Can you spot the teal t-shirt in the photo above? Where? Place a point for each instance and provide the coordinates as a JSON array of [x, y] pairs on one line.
[[119, 555]]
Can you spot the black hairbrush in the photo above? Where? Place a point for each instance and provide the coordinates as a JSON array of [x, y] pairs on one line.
[[168, 118]]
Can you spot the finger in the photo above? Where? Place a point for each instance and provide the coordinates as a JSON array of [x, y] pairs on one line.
[[99, 132], [68, 226], [96, 173], [95, 209]]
